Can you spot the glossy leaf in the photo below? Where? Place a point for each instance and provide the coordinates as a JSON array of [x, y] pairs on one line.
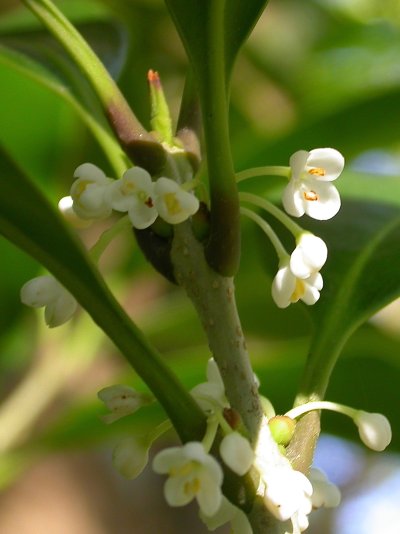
[[214, 30], [361, 276], [29, 221]]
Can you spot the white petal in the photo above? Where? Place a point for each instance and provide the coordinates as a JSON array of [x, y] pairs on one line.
[[140, 178], [61, 310], [118, 201], [321, 200], [283, 287], [213, 374], [292, 199], [141, 215], [225, 513], [176, 491], [298, 162], [325, 494], [88, 171], [312, 286], [328, 160], [167, 459], [209, 396], [90, 200], [237, 453], [309, 256], [136, 182], [209, 496], [374, 429], [121, 400], [173, 204], [40, 291]]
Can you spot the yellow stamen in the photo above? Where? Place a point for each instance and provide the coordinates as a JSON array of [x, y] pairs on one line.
[[310, 195], [192, 487], [173, 205], [317, 171], [128, 188], [299, 290], [81, 188]]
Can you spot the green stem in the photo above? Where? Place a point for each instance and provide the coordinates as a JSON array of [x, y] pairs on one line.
[[263, 171], [265, 204], [294, 413], [214, 299], [159, 430], [106, 237], [266, 228], [136, 141], [223, 248]]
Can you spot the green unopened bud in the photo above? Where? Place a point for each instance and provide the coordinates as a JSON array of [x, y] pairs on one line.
[[160, 116], [282, 429]]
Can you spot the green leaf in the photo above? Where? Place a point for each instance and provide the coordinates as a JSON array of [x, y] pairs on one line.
[[361, 276], [90, 112], [214, 30], [30, 222]]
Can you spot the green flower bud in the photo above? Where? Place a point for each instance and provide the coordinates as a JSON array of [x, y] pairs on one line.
[[282, 429]]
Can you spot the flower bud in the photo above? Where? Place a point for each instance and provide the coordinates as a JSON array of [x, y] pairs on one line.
[[237, 453], [282, 429], [130, 457], [46, 291], [374, 430]]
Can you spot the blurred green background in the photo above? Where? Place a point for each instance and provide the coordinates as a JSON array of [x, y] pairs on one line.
[[313, 74]]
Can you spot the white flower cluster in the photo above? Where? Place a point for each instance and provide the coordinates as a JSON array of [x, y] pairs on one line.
[[94, 196], [310, 190], [194, 474], [298, 277]]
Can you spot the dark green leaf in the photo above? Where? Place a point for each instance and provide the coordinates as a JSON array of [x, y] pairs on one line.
[[214, 30], [361, 276], [29, 221]]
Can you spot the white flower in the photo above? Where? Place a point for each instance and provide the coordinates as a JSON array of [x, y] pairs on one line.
[[46, 291], [134, 193], [237, 453], [227, 512], [121, 401], [192, 474], [211, 394], [173, 203], [288, 288], [309, 189], [65, 206], [309, 256], [325, 493], [374, 430], [130, 457], [288, 492], [89, 192]]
